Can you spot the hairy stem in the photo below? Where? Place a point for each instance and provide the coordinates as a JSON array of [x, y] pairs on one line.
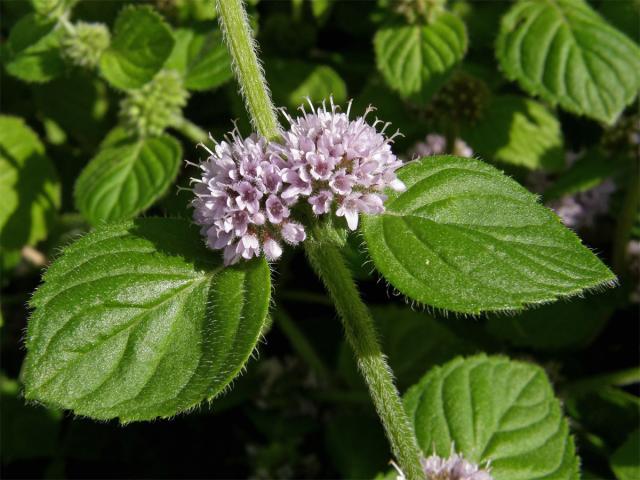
[[237, 33], [327, 261]]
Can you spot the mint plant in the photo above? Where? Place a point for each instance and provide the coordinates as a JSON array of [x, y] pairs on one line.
[[156, 308]]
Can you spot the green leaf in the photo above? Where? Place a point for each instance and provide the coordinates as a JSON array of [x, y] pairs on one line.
[[29, 186], [293, 81], [492, 409], [625, 461], [126, 178], [201, 58], [32, 52], [416, 60], [518, 131], [139, 320], [465, 237], [565, 52], [574, 324], [141, 43]]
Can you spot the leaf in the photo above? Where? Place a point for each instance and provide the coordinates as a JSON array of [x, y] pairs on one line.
[[33, 50], [518, 131], [29, 186], [293, 81], [124, 179], [201, 57], [625, 461], [139, 320], [466, 238], [416, 60], [565, 52], [495, 410], [141, 43], [574, 324]]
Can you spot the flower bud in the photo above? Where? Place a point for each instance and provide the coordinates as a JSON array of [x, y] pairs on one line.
[[84, 44], [151, 109]]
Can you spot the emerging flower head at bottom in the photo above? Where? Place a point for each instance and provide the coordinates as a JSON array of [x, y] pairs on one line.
[[248, 188]]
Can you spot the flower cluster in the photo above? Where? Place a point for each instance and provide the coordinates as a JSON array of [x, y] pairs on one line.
[[248, 187], [153, 107], [436, 144], [453, 468], [85, 43]]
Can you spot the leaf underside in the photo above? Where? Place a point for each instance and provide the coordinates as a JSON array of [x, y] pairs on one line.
[[565, 52], [497, 411], [416, 60], [139, 320]]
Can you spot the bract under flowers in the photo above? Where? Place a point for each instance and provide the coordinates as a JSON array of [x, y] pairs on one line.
[[248, 186]]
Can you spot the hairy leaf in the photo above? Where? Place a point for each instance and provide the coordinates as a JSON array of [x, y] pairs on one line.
[[124, 179], [201, 58], [29, 186], [565, 52], [33, 49], [520, 132], [141, 43], [465, 237], [139, 320], [416, 60], [492, 409]]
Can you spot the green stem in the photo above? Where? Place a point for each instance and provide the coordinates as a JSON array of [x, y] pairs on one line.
[[300, 343], [327, 261], [190, 130], [619, 379], [324, 255], [237, 32], [626, 220]]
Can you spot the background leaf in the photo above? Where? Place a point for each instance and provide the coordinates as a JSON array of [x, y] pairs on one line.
[[518, 131], [625, 461], [141, 43], [494, 410], [29, 186], [574, 324], [565, 52], [410, 340], [416, 60], [466, 238], [292, 81], [201, 57], [33, 50], [139, 320], [126, 178]]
